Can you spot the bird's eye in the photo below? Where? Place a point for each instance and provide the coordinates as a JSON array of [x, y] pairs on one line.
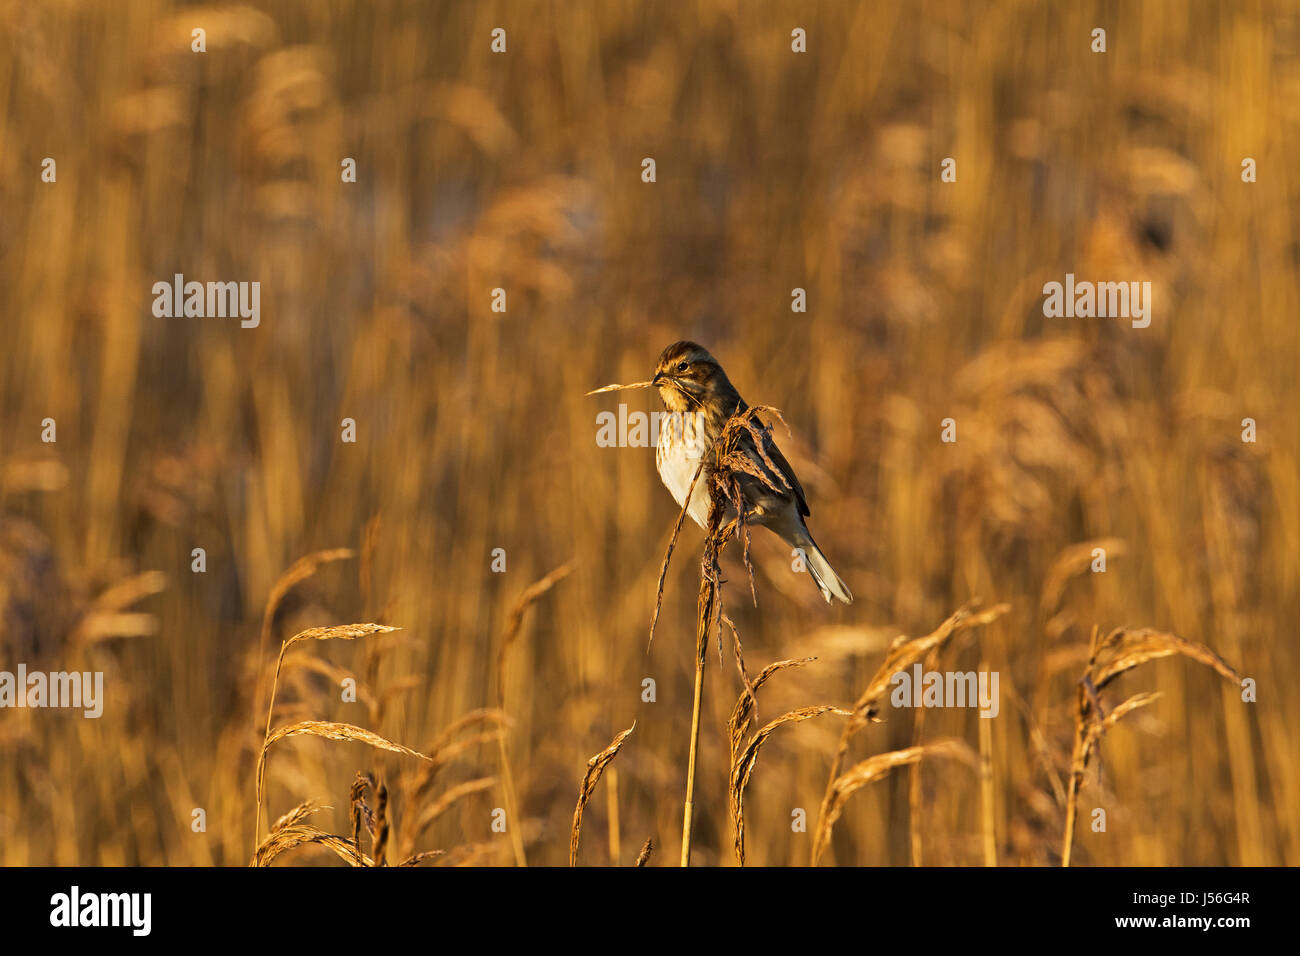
[[683, 366]]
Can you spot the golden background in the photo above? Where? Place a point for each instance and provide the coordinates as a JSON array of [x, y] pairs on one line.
[[522, 171]]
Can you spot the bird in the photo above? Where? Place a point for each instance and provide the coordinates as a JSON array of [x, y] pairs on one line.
[[699, 399]]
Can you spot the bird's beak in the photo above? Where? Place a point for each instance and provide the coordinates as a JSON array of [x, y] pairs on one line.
[[657, 379]]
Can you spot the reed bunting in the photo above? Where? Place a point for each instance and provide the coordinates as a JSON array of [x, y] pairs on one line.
[[700, 398]]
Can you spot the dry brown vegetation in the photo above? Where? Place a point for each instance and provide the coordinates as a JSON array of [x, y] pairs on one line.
[[480, 691]]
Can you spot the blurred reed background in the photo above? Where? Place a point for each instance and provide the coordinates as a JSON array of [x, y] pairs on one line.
[[522, 171]]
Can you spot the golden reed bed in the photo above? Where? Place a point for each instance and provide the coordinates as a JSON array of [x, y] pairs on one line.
[[476, 698]]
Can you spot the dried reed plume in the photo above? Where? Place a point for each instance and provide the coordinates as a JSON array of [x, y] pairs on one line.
[[1121, 650], [647, 848], [744, 753], [873, 768], [595, 767], [451, 744], [289, 831], [319, 728], [902, 654], [514, 623], [615, 388]]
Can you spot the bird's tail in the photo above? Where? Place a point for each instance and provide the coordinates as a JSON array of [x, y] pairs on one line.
[[828, 582]]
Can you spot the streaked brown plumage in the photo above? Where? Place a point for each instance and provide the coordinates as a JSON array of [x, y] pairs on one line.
[[700, 398]]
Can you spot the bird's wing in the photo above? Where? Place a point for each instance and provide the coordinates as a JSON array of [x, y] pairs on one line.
[[787, 472], [785, 477], [778, 459]]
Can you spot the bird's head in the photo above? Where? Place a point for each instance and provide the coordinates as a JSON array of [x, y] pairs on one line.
[[690, 379]]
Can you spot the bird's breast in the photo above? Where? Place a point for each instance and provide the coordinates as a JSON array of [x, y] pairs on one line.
[[684, 440]]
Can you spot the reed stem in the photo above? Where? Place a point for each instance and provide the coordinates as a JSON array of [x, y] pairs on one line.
[[701, 649]]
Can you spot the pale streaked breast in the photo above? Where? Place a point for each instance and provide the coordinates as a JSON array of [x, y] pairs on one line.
[[682, 444]]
